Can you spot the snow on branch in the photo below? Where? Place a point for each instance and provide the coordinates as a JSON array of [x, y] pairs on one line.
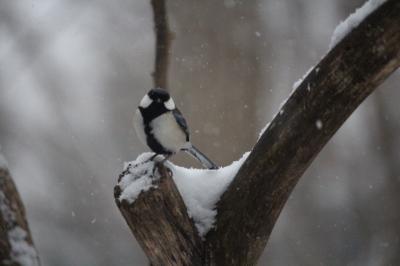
[[315, 110], [354, 20], [16, 246], [166, 218], [154, 210], [199, 188]]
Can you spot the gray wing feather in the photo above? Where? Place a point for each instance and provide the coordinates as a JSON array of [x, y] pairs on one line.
[[181, 122], [192, 150]]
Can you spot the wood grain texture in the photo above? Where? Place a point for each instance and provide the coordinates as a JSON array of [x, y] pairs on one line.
[[250, 207], [159, 220]]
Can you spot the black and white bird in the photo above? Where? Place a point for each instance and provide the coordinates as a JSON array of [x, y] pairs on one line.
[[160, 125]]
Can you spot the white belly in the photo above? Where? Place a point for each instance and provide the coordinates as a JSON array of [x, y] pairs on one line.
[[167, 131]]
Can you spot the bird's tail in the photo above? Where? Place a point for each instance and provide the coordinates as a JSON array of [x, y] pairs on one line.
[[201, 157]]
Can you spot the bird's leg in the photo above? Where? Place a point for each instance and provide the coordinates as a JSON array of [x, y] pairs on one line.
[[153, 157], [150, 159], [144, 162], [166, 157]]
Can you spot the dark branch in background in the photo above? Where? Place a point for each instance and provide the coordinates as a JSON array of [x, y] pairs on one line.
[[163, 41], [250, 207], [248, 210], [16, 245]]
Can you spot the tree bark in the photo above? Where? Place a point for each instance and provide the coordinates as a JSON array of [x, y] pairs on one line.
[[309, 118], [159, 220], [16, 245], [248, 210]]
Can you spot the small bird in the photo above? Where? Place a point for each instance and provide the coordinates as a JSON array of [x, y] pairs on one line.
[[160, 125]]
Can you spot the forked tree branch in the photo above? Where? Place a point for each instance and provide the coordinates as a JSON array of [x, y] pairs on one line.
[[248, 210], [163, 41], [16, 245]]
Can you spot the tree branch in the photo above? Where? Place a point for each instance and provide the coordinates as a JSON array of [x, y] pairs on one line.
[[248, 210], [16, 245], [159, 220], [163, 41]]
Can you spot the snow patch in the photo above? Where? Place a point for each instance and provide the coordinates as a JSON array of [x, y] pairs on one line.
[[7, 214], [200, 189], [21, 251], [353, 21], [262, 131], [139, 177], [319, 124]]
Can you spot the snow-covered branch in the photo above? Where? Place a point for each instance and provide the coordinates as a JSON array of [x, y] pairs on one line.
[[155, 212], [16, 246], [161, 219], [328, 95], [145, 194]]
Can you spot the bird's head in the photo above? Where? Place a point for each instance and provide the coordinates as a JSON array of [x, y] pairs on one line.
[[157, 97]]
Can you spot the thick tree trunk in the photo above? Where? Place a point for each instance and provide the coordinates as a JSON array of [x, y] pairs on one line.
[[16, 245], [248, 210]]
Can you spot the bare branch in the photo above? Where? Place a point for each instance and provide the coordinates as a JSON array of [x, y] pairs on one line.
[[163, 41], [249, 208]]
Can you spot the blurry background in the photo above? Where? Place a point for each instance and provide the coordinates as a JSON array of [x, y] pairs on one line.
[[72, 73]]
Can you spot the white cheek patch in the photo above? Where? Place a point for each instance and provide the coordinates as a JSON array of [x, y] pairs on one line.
[[145, 102], [170, 105]]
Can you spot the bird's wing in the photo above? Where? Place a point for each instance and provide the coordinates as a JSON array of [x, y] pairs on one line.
[[181, 122]]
